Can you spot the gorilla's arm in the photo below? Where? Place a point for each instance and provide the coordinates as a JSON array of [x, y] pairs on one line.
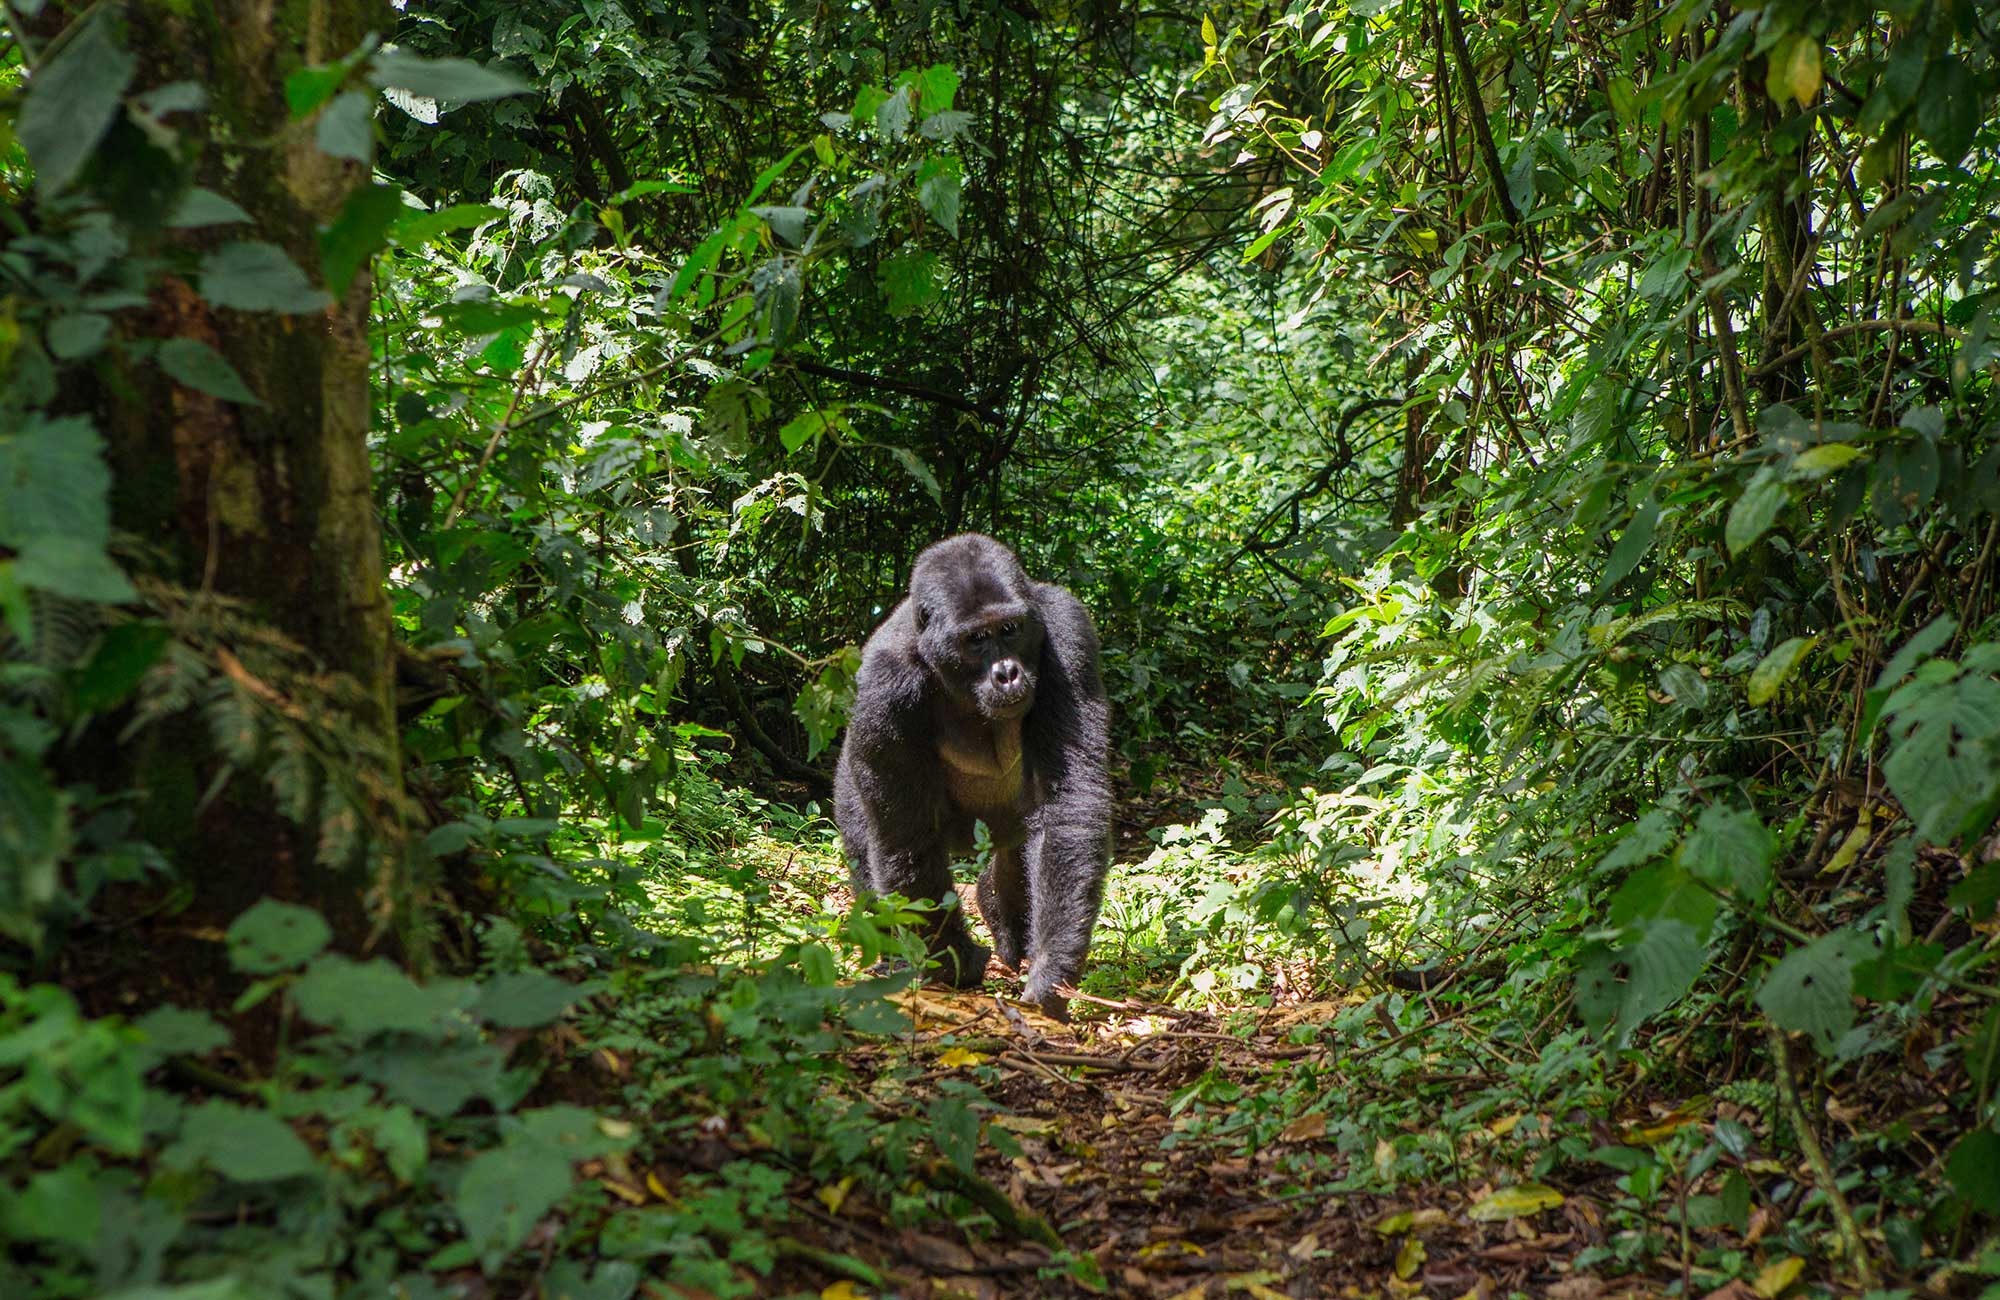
[[1069, 826], [889, 794]]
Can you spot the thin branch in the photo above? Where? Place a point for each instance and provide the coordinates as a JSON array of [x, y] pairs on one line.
[[1475, 108], [1903, 325]]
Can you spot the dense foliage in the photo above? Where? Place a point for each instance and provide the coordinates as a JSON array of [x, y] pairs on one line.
[[1534, 466]]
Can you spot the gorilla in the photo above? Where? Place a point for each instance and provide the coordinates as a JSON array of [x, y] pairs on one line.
[[979, 699]]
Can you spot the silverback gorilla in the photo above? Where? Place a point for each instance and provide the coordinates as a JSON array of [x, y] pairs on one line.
[[979, 699]]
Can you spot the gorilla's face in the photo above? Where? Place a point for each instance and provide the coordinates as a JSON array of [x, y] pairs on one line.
[[978, 632]]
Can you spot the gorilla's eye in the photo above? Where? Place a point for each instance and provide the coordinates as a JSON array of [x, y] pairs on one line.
[[1009, 629], [977, 638]]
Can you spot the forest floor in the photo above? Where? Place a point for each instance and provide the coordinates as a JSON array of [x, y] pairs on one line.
[[1167, 1214]]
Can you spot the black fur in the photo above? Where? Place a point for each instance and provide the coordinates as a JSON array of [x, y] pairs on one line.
[[980, 699]]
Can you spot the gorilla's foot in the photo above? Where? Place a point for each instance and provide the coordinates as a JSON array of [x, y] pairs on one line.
[[963, 966], [1051, 996]]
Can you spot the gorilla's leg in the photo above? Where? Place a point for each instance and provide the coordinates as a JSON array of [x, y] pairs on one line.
[[1003, 901], [1066, 865], [923, 871]]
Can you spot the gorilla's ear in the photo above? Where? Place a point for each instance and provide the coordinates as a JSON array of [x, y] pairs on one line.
[[923, 617]]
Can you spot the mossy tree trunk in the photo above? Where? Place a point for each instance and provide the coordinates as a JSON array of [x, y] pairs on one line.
[[267, 504]]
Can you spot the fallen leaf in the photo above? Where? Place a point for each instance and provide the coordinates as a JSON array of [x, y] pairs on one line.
[[1155, 1250], [1385, 1159], [834, 1195], [1776, 1276], [1305, 1128], [842, 1290], [960, 1056], [1513, 1202], [1410, 1257], [1022, 1123], [1503, 1126], [629, 1195]]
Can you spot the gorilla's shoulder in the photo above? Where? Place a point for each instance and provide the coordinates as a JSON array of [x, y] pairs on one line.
[[891, 674]]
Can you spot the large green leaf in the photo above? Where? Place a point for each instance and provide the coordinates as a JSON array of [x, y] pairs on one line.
[[1974, 1169], [242, 1143], [1618, 988], [199, 366], [1944, 754], [1754, 512], [1730, 849], [258, 277], [358, 233], [505, 1192], [272, 936], [1811, 991], [362, 998], [938, 182], [53, 511], [1951, 108], [525, 999], [1777, 668], [457, 81], [71, 101]]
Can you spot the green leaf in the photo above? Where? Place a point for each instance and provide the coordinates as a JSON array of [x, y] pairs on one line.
[[177, 1031], [955, 1130], [1754, 512], [1621, 987], [77, 335], [1811, 991], [196, 365], [1632, 545], [808, 425], [120, 660], [64, 1204], [362, 998], [938, 182], [71, 101], [1944, 758], [53, 511], [1794, 70], [1730, 849], [526, 999], [937, 86], [200, 207], [1818, 462], [919, 471], [1776, 668], [273, 936], [241, 1143], [459, 81], [1951, 107], [416, 228], [53, 480], [908, 278], [308, 88], [357, 234], [1906, 478], [347, 128], [258, 277], [505, 1192], [69, 566], [1974, 1169], [892, 116]]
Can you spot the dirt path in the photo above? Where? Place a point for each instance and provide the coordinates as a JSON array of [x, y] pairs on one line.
[[1108, 1165]]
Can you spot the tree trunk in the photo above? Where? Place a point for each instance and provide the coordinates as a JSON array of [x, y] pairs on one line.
[[269, 505]]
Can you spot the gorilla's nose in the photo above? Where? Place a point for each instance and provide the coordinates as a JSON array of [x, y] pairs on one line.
[[1006, 673]]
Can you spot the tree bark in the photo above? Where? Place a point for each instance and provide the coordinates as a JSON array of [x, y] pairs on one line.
[[270, 505]]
